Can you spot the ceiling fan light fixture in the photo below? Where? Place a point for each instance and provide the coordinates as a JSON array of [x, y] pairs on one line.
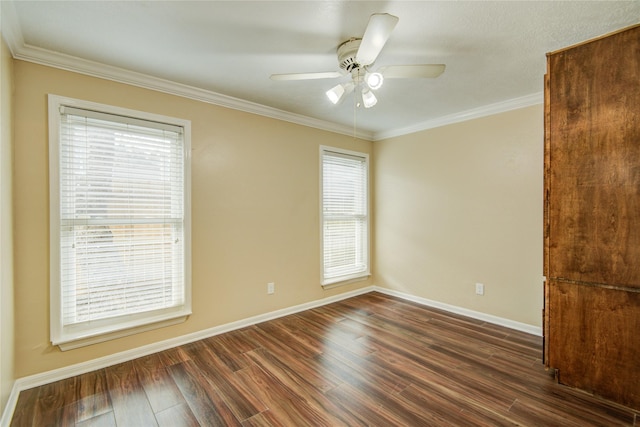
[[374, 80], [368, 98], [338, 92], [335, 93]]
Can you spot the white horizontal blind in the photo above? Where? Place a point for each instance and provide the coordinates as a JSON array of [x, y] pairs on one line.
[[345, 216], [121, 216]]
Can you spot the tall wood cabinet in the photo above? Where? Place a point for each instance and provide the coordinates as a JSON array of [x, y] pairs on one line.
[[592, 216]]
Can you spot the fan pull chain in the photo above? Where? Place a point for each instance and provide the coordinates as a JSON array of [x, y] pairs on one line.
[[355, 113], [355, 104]]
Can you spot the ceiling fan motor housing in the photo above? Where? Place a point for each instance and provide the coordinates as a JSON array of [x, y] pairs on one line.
[[347, 54]]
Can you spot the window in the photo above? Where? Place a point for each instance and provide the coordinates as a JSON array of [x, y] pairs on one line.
[[120, 231], [345, 215]]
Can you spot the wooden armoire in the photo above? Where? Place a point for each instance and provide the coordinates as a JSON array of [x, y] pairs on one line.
[[592, 216]]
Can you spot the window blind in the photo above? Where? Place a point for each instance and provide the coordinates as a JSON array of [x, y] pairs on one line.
[[344, 216], [121, 216]]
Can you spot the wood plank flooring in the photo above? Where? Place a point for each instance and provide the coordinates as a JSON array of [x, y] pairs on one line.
[[371, 360]]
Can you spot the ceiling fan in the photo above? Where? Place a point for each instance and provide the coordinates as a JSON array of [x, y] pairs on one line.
[[357, 55]]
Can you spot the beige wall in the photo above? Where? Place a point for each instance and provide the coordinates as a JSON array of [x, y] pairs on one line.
[[6, 244], [461, 204], [453, 206], [255, 212]]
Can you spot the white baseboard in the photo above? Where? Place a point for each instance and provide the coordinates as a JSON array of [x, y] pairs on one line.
[[36, 380], [508, 323]]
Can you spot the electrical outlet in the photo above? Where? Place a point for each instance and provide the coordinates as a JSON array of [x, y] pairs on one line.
[[271, 288], [479, 289]]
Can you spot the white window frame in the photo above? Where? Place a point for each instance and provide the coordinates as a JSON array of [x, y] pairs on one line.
[[330, 281], [73, 336]]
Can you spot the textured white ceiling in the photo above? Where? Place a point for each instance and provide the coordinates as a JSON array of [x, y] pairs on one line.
[[494, 51]]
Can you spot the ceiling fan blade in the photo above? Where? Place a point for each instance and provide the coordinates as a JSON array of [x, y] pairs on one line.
[[375, 36], [412, 71], [307, 76]]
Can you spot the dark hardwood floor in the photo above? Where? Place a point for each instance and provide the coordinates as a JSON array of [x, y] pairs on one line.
[[368, 360]]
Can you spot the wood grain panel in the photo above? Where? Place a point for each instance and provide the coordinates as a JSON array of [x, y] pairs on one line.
[[23, 413], [128, 398], [93, 395], [594, 177], [224, 384], [159, 387], [204, 402], [604, 356], [230, 349], [306, 371], [177, 416], [104, 420], [289, 399], [447, 409], [56, 408]]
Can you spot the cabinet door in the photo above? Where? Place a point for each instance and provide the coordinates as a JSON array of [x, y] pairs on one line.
[[594, 155], [594, 341]]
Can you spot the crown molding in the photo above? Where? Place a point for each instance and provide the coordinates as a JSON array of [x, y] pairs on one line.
[[475, 113], [22, 51], [120, 75]]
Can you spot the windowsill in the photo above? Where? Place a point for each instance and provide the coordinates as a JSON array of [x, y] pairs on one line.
[[95, 339], [347, 281]]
